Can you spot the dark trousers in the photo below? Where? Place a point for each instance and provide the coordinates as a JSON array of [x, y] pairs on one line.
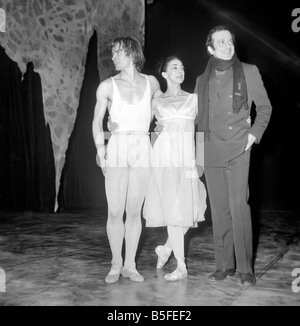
[[228, 192]]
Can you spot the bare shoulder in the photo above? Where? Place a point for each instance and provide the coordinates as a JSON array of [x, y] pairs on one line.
[[154, 85], [153, 81], [152, 78], [107, 83], [105, 88]]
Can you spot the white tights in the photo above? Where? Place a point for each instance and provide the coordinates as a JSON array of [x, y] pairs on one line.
[[175, 241], [125, 191]]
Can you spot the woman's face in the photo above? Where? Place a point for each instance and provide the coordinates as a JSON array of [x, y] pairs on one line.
[[175, 71]]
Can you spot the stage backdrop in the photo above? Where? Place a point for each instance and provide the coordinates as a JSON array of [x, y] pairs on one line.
[[54, 35]]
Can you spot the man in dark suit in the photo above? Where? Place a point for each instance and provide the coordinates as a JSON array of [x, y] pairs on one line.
[[226, 91]]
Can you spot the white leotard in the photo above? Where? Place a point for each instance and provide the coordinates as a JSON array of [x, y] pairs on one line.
[[131, 117], [130, 145]]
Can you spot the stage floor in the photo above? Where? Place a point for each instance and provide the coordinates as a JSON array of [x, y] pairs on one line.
[[62, 260]]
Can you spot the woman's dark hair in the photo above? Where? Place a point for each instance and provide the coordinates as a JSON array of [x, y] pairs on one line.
[[132, 47], [209, 40]]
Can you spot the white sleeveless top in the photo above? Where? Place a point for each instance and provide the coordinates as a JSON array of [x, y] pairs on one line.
[[131, 117]]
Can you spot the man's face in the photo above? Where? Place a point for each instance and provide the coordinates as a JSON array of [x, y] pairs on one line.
[[223, 45], [119, 57]]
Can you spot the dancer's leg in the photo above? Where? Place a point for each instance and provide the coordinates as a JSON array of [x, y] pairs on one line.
[[176, 237], [137, 187], [116, 182], [176, 240], [169, 242], [164, 252]]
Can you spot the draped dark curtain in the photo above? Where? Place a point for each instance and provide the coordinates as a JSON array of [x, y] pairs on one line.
[[27, 174], [82, 181]]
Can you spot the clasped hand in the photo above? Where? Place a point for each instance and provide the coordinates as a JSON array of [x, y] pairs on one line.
[[112, 126]]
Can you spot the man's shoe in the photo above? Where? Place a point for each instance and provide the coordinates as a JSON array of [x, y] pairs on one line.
[[247, 279], [220, 275]]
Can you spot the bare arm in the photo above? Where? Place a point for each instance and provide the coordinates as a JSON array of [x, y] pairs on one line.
[[155, 92], [102, 99], [153, 107]]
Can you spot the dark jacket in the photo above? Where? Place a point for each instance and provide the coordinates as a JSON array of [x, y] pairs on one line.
[[229, 131]]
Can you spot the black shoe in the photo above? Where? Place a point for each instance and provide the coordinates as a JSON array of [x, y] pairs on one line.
[[247, 279], [220, 275]]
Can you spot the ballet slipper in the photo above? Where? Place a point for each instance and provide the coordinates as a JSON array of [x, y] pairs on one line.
[[114, 274], [132, 274], [163, 253], [179, 273]]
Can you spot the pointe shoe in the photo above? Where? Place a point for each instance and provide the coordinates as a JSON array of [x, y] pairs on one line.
[[179, 273], [132, 274], [163, 253], [114, 274]]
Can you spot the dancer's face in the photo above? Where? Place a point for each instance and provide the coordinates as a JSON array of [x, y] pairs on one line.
[[175, 71], [119, 57]]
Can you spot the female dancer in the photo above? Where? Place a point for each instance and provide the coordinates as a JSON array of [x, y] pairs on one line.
[[176, 197]]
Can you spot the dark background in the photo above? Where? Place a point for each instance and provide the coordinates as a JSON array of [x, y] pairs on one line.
[[264, 37]]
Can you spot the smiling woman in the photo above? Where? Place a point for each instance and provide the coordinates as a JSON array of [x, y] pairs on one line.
[[176, 197]]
